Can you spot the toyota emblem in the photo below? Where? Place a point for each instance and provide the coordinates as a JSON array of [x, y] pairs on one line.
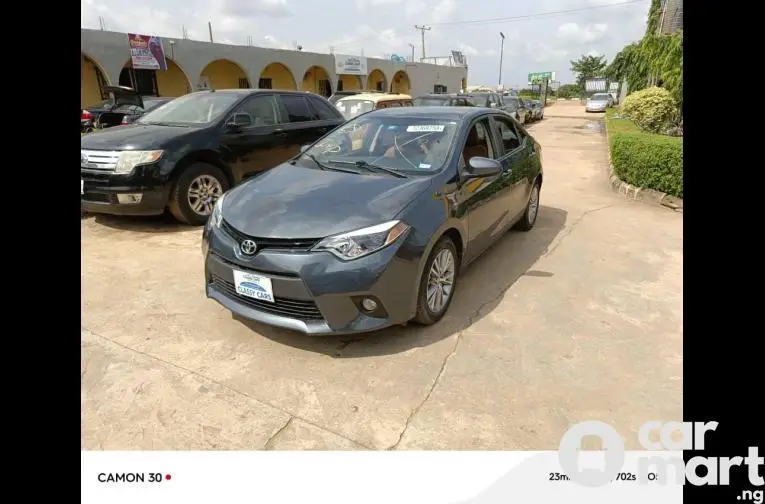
[[83, 158], [248, 247]]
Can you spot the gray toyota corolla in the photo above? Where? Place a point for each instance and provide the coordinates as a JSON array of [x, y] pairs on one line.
[[370, 226]]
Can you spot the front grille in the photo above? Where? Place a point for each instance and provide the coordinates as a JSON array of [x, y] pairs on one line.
[[97, 197], [270, 243], [99, 161], [291, 308]]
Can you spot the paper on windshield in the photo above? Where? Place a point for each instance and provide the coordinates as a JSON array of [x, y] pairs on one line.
[[425, 128]]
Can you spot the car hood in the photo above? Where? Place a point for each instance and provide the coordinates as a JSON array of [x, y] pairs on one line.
[[300, 202], [134, 136]]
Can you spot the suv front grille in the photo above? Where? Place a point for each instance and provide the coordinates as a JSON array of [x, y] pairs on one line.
[[302, 244], [290, 308], [98, 161]]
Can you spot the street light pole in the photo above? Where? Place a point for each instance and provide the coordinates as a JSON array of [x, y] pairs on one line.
[[412, 46], [501, 54]]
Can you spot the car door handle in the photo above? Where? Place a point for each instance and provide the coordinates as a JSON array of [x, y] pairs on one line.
[[507, 172], [280, 133], [532, 153]]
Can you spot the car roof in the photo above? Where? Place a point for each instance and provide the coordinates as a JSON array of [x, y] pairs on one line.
[[249, 91], [434, 112], [377, 97], [439, 95]]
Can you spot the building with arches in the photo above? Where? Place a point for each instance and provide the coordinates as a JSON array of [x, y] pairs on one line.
[[194, 65]]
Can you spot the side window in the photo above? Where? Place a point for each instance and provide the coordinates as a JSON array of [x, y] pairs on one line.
[[261, 110], [323, 109], [407, 103], [394, 104], [297, 108], [508, 134], [478, 142]]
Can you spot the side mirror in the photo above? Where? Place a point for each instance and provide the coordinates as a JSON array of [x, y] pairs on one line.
[[479, 167], [239, 120], [304, 148]]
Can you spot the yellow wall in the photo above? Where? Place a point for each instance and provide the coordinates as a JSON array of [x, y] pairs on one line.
[[350, 82], [91, 94], [400, 83], [311, 79], [172, 82], [374, 77], [281, 77], [223, 74]]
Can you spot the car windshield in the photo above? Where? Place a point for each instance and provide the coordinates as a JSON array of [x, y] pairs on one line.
[[599, 97], [350, 108], [192, 109], [511, 102], [432, 101], [478, 100], [414, 144]]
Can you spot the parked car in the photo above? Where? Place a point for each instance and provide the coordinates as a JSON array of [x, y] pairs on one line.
[[186, 153], [342, 94], [373, 234], [442, 100], [598, 102], [518, 108], [485, 99], [351, 106], [537, 109], [109, 112], [133, 112]]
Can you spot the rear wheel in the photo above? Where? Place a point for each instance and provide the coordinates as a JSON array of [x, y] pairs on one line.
[[439, 279], [195, 192], [532, 209]]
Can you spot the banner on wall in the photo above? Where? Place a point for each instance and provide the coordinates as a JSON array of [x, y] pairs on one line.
[[147, 52], [350, 65]]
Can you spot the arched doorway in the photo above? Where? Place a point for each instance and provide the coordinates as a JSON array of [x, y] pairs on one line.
[[142, 80], [464, 84], [400, 83], [316, 80], [92, 82], [348, 83], [223, 74], [376, 80], [173, 82], [276, 76]]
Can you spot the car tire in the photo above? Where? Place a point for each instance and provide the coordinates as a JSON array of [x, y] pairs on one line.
[[204, 176], [427, 314], [532, 210]]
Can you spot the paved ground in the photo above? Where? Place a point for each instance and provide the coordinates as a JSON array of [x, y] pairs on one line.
[[579, 319]]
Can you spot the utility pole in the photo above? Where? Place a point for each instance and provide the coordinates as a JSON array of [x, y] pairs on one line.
[[423, 29], [501, 54], [209, 28], [412, 46]]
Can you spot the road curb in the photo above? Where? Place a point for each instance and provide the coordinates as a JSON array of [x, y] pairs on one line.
[[639, 193]]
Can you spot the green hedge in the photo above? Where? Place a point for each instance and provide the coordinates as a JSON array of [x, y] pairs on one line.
[[645, 159]]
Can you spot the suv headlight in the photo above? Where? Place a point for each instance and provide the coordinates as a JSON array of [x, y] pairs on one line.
[[217, 214], [364, 241], [130, 159]]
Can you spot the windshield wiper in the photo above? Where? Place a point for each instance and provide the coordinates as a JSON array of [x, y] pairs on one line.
[[325, 167], [371, 167], [153, 123]]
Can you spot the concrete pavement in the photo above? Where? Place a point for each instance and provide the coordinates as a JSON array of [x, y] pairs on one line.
[[579, 319]]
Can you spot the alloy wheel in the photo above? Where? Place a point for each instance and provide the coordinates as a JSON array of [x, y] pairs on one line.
[[533, 203], [203, 192], [441, 280]]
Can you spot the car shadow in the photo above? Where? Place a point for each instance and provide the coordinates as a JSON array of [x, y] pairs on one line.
[[164, 223], [480, 289]]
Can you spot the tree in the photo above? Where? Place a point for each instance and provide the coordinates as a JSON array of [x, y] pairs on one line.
[[569, 91], [588, 67]]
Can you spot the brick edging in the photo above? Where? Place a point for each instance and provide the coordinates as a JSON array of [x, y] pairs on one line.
[[639, 193]]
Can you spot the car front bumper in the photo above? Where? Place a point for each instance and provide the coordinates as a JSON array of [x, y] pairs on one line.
[[142, 192], [594, 108], [315, 293]]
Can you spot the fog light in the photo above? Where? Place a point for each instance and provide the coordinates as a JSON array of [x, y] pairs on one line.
[[369, 305], [129, 199]]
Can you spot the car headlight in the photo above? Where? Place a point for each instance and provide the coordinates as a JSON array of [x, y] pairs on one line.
[[130, 159], [364, 241], [217, 214]]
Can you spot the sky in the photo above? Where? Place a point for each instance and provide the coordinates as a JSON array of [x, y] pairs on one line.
[[541, 38]]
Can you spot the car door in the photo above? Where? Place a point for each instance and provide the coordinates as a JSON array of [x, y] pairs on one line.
[[514, 159], [300, 123], [482, 197], [252, 149]]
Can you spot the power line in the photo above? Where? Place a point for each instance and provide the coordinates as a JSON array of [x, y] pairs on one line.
[[526, 17]]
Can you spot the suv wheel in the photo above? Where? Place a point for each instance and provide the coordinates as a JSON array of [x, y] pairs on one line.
[[439, 279], [195, 192], [532, 210]]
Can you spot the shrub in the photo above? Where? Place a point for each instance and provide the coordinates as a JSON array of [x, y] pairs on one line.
[[645, 159], [652, 109]]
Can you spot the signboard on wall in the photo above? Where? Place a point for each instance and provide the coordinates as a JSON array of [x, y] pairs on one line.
[[146, 52], [350, 65], [594, 85]]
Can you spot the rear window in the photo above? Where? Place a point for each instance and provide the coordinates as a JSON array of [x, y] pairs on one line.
[[350, 108], [431, 102], [600, 97]]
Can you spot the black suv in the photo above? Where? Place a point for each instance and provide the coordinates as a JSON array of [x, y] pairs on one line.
[[184, 155]]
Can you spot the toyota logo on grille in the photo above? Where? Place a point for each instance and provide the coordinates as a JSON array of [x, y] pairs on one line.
[[248, 247], [83, 158]]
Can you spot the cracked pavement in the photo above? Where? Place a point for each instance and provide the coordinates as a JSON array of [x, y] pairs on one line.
[[579, 319]]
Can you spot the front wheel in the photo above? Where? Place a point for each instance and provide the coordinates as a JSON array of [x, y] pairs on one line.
[[195, 192], [439, 279], [532, 209]]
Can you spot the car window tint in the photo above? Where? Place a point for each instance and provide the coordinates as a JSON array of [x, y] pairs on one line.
[[508, 134], [394, 104], [324, 110], [478, 143], [297, 108], [260, 109]]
